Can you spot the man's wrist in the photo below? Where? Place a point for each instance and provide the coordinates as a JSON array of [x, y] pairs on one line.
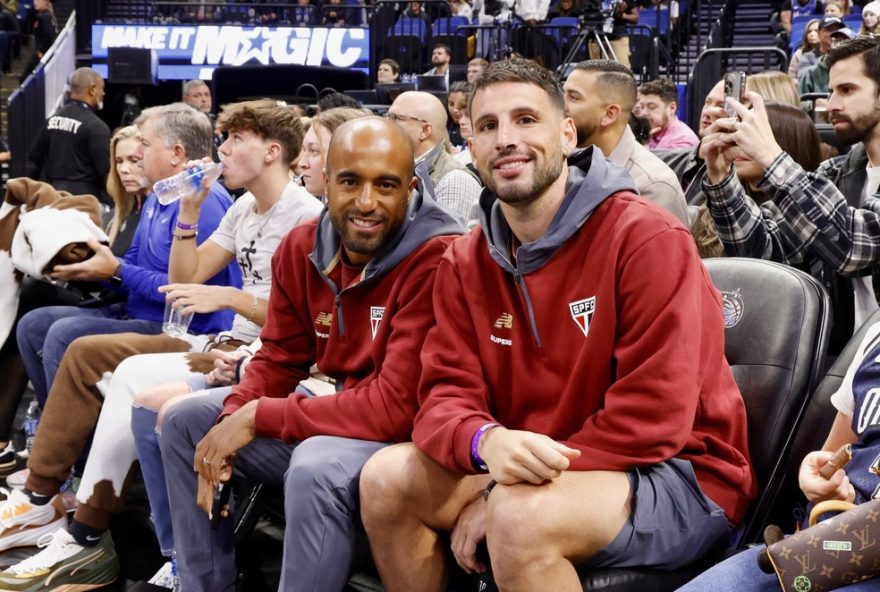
[[250, 415], [476, 459], [116, 275], [769, 157], [189, 213]]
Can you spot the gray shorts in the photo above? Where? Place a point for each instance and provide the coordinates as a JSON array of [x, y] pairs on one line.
[[671, 524]]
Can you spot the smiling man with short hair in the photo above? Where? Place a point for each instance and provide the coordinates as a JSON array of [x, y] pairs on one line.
[[352, 294], [575, 383]]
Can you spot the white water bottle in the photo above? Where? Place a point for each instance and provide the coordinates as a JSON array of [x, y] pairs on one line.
[[31, 421], [185, 182]]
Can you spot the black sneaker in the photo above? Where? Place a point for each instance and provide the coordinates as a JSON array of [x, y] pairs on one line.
[[8, 461]]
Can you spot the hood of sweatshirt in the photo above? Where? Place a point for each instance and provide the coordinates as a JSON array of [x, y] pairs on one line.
[[425, 219], [591, 180]]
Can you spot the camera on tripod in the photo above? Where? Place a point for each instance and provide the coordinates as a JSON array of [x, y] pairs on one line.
[[599, 15], [493, 7]]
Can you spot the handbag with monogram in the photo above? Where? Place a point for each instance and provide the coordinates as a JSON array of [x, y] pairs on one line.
[[831, 554]]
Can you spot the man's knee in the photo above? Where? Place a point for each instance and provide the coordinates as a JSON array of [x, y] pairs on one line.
[[31, 329], [86, 348], [386, 484], [516, 516], [187, 421], [520, 530], [316, 467]]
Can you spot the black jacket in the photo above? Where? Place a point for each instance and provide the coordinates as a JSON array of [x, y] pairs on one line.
[[72, 151]]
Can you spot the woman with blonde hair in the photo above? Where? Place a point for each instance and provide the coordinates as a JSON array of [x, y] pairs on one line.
[[126, 186], [317, 140], [774, 85]]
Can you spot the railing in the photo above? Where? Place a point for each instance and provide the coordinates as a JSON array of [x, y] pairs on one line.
[[385, 42], [58, 63], [39, 96], [275, 14]]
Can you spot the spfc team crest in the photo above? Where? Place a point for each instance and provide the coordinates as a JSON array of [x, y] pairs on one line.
[[582, 312], [376, 314], [732, 307]]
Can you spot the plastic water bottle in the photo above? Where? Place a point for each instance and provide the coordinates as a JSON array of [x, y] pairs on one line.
[[185, 182], [31, 421]]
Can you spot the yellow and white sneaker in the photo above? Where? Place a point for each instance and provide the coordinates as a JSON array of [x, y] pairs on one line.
[[63, 565], [22, 523]]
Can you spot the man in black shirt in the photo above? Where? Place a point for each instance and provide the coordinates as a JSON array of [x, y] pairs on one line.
[[611, 19], [72, 151]]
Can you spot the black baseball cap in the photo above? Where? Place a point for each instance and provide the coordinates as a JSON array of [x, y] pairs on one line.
[[831, 21]]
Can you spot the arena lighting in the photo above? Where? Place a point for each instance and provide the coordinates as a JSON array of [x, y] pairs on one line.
[[187, 52]]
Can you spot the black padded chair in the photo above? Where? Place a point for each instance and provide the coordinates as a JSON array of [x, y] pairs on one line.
[[406, 50], [777, 323], [777, 326]]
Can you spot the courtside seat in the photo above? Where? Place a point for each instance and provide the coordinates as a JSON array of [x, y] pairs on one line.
[[777, 321]]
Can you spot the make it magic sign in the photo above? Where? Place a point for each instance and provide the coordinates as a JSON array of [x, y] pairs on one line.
[[194, 51]]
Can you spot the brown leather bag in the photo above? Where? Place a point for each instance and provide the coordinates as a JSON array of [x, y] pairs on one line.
[[832, 554]]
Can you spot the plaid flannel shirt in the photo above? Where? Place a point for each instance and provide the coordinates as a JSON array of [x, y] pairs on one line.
[[807, 221]]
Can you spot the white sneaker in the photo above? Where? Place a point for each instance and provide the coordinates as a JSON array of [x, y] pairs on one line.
[[63, 564], [57, 546], [164, 578], [23, 524], [18, 478]]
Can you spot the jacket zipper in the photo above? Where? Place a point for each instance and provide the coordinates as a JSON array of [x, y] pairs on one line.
[[340, 323], [521, 282]]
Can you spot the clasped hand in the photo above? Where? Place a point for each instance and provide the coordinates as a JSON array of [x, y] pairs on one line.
[[216, 452], [225, 364], [514, 456], [728, 137]]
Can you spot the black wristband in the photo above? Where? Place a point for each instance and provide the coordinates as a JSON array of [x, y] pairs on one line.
[[116, 278], [489, 489]]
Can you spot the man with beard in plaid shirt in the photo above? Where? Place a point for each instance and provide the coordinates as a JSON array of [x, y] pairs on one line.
[[826, 222]]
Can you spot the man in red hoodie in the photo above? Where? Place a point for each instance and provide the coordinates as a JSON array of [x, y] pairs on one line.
[[576, 406], [351, 293]]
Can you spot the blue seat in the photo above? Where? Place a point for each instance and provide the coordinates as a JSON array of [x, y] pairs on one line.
[[649, 17], [798, 24], [565, 21], [409, 26], [448, 25], [563, 29], [853, 21]]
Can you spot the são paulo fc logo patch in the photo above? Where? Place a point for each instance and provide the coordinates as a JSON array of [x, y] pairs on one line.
[[582, 312], [732, 307], [376, 314]]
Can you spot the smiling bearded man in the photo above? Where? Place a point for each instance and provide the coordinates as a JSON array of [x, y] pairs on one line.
[[352, 294]]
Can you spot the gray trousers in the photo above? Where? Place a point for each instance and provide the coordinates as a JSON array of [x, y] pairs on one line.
[[320, 478]]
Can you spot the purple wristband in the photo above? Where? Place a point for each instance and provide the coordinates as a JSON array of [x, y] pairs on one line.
[[183, 226], [475, 445]]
